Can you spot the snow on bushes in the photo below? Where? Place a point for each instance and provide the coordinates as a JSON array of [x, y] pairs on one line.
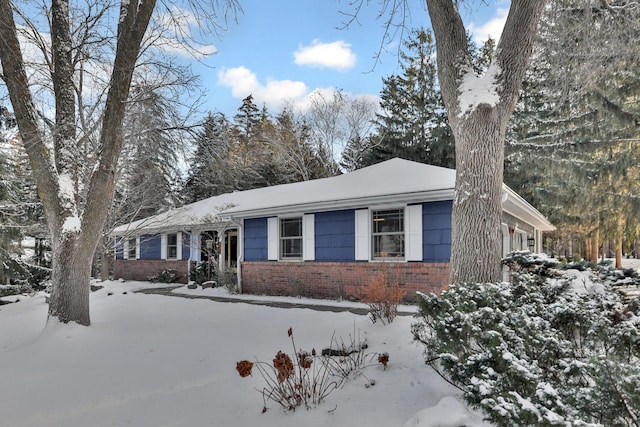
[[555, 346]]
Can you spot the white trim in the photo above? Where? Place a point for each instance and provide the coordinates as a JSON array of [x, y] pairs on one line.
[[272, 238], [308, 237], [363, 239], [163, 246], [178, 245], [194, 246], [125, 247], [506, 240], [376, 202], [523, 240], [413, 233]]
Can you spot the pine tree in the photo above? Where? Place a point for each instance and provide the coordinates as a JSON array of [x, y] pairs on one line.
[[211, 172], [572, 146], [150, 167], [247, 148], [414, 123]]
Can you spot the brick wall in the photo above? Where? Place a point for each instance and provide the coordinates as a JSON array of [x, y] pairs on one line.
[[142, 269], [344, 280]]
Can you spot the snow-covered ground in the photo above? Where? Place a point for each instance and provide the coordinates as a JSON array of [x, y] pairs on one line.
[[153, 360]]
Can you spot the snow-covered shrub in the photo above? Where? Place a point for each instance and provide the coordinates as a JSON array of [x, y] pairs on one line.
[[554, 347], [168, 275], [203, 271]]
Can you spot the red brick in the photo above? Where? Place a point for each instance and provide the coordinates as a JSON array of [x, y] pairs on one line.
[[142, 269], [339, 280]]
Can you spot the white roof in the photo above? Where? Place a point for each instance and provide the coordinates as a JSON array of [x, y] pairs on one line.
[[392, 181]]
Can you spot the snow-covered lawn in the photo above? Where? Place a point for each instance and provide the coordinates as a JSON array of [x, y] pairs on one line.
[[152, 360]]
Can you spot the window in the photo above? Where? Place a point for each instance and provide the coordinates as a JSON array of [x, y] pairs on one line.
[[291, 238], [387, 233], [131, 254], [172, 246]]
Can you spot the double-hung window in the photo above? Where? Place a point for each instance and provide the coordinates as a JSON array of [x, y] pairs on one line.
[[131, 252], [387, 234], [172, 246], [291, 238]]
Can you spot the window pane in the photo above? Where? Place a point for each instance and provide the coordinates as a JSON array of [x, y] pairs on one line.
[[291, 227], [172, 245], [388, 221], [291, 238], [291, 248], [172, 252], [132, 249], [388, 233], [388, 246]]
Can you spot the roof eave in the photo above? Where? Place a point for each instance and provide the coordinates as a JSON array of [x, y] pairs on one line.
[[351, 203], [515, 205]]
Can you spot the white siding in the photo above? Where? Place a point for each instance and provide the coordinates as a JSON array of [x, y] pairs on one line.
[[272, 238], [413, 233], [308, 237], [362, 235]]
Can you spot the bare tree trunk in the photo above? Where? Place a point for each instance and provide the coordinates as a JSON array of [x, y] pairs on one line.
[[71, 271], [477, 207], [479, 108], [75, 229]]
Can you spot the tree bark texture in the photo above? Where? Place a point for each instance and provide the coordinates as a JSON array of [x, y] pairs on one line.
[[73, 247], [476, 247]]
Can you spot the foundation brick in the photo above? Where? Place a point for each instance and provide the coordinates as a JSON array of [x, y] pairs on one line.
[[142, 269], [340, 280]]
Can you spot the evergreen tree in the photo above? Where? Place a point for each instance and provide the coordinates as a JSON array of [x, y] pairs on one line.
[[10, 234], [150, 172], [414, 123], [570, 148], [211, 172], [20, 208], [247, 147]]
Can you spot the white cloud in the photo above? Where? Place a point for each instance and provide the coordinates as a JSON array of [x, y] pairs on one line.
[[273, 93], [337, 55], [492, 28]]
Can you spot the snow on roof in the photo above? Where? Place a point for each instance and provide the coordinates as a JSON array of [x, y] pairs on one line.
[[392, 180]]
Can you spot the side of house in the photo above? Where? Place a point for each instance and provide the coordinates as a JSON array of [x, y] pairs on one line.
[[326, 238]]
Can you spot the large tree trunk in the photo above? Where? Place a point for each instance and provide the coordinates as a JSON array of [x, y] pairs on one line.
[[75, 227], [479, 108], [476, 244], [71, 274]]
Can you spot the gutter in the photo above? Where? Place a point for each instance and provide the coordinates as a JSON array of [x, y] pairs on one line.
[[352, 203]]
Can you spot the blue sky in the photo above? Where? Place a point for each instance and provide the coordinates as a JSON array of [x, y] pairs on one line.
[[283, 50]]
